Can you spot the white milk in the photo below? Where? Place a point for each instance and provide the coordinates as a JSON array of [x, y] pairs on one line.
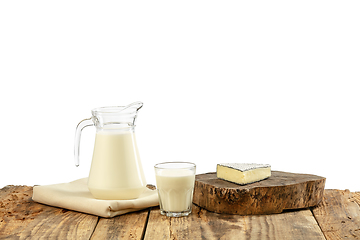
[[116, 171], [175, 188]]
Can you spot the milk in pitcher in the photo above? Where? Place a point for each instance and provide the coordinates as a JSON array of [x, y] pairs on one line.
[[115, 166]]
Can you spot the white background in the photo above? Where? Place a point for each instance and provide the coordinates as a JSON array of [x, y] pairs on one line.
[[222, 81]]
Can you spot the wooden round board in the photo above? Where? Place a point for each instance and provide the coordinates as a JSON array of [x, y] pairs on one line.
[[283, 190]]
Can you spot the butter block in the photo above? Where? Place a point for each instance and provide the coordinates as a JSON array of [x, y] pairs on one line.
[[243, 173]]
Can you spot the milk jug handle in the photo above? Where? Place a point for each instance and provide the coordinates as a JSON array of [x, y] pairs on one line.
[[84, 123]]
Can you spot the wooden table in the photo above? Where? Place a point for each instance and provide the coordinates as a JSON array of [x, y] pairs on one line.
[[337, 217]]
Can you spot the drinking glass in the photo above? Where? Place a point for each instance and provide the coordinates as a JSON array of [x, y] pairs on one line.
[[175, 186]]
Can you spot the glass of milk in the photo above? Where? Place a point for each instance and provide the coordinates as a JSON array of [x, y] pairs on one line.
[[175, 186]]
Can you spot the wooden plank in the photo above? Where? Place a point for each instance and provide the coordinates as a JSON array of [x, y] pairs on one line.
[[158, 226], [22, 218], [128, 226], [298, 224], [283, 190], [202, 224], [338, 215]]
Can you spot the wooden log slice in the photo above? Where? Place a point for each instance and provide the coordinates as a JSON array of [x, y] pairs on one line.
[[279, 192]]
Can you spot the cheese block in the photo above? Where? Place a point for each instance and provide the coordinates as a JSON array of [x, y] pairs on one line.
[[243, 173]]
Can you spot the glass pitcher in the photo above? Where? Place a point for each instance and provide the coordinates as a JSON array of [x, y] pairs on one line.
[[116, 171]]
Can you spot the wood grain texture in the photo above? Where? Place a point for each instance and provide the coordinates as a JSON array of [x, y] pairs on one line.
[[279, 192], [298, 224], [128, 226], [202, 224], [339, 215], [22, 218], [356, 197]]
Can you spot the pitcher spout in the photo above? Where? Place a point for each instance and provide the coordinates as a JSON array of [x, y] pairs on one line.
[[133, 106], [131, 111]]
